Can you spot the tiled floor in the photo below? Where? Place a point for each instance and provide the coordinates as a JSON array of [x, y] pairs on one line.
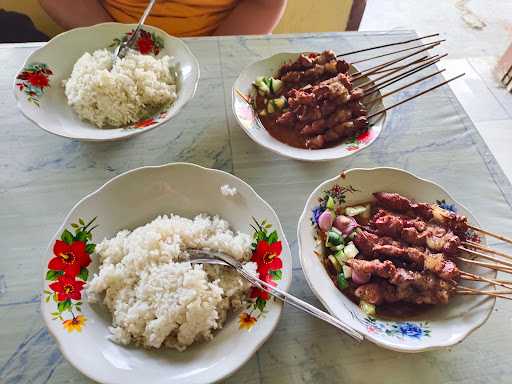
[[473, 51]]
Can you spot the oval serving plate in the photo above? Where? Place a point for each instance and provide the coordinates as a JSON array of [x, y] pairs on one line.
[[442, 326], [40, 95], [247, 119], [125, 202]]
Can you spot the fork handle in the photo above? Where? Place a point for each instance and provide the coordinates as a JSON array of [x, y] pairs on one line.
[[299, 304]]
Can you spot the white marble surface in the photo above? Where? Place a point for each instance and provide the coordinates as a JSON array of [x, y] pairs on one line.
[[42, 176]]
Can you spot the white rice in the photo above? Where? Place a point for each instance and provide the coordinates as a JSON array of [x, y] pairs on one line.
[[136, 87], [157, 299], [227, 190]]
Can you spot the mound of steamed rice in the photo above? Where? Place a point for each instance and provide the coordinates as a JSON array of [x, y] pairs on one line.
[[136, 87], [158, 299]]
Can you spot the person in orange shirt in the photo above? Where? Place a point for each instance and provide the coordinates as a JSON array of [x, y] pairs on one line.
[[176, 17]]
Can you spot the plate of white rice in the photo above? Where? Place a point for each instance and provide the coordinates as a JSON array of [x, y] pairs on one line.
[[135, 309], [71, 87]]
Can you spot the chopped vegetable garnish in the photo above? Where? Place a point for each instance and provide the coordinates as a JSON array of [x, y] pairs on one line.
[[341, 257], [330, 203], [350, 250], [334, 238], [342, 281], [334, 263], [367, 308], [347, 271], [356, 210]]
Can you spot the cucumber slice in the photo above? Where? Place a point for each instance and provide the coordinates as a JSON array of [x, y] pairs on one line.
[[334, 238], [270, 107], [330, 203], [341, 257], [367, 308], [334, 263], [280, 102], [276, 85], [350, 250], [342, 281], [356, 210], [347, 271]]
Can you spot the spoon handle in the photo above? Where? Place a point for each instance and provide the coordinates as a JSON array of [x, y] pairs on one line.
[[299, 304]]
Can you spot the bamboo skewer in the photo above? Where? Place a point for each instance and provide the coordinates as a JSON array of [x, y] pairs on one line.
[[387, 45], [424, 64], [402, 87], [372, 70], [421, 59], [488, 257], [413, 97], [471, 291], [372, 90], [489, 250], [499, 237], [474, 277], [420, 65], [399, 51], [484, 264]]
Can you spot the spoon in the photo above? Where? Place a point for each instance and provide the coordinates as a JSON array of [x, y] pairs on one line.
[[206, 256], [122, 48]]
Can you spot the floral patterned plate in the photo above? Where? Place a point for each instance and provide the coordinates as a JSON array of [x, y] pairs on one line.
[[40, 95], [444, 325], [246, 117], [128, 201]]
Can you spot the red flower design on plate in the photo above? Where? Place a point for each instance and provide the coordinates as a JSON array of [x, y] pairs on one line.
[[260, 293], [67, 288], [69, 258], [144, 123], [145, 44], [364, 137], [266, 256], [37, 79]]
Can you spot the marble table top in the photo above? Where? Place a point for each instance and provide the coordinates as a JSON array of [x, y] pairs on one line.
[[42, 176]]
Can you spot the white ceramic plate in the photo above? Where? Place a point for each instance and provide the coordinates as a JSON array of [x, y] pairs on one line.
[[128, 201], [443, 326], [40, 95], [246, 116]]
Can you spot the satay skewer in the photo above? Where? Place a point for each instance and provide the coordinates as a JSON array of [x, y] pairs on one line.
[[484, 264], [486, 256], [412, 69], [402, 87], [413, 97], [387, 45], [496, 236], [471, 276], [399, 51], [486, 249], [421, 59], [369, 71], [379, 85], [470, 291]]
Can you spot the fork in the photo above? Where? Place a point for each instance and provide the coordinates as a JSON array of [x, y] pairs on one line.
[[207, 256], [122, 48]]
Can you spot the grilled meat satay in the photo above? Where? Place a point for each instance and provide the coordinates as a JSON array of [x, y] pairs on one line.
[[416, 232], [371, 246], [408, 286], [396, 202]]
